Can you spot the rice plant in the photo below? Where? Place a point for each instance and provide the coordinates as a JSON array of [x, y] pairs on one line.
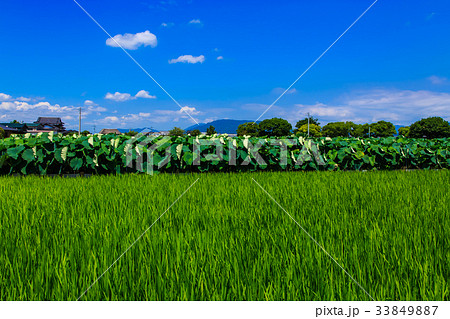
[[226, 239]]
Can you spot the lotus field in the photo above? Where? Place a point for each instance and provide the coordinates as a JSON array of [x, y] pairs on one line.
[[106, 154], [225, 239]]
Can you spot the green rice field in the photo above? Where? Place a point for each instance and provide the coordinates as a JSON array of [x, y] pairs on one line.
[[226, 239]]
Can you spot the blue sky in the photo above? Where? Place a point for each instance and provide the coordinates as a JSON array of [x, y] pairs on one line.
[[228, 59]]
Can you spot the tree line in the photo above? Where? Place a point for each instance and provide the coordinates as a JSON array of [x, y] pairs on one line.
[[431, 127]]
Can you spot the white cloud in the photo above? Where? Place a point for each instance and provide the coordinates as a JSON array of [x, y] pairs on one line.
[[24, 106], [143, 118], [111, 119], [182, 111], [175, 116], [119, 97], [97, 109], [145, 95], [24, 99], [93, 107], [167, 25], [188, 59], [210, 119], [122, 97], [18, 106], [8, 106], [434, 79], [133, 41], [89, 102], [220, 57], [323, 110], [5, 97], [195, 21]]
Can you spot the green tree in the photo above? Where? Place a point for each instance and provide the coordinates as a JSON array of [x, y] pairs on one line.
[[211, 130], [404, 131], [249, 128], [353, 129], [85, 132], [2, 133], [176, 131], [382, 129], [69, 132], [195, 132], [14, 121], [335, 129], [305, 121], [131, 133], [314, 130], [431, 127], [361, 130], [274, 127]]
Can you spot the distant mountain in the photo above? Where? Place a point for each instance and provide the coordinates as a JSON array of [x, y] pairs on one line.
[[221, 126], [146, 129]]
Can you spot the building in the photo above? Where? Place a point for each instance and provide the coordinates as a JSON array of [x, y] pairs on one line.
[[8, 130], [110, 131], [42, 125], [34, 128], [54, 124], [17, 128]]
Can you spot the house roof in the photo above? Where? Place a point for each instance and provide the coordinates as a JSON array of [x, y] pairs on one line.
[[6, 128], [49, 120], [34, 125], [19, 126], [110, 131]]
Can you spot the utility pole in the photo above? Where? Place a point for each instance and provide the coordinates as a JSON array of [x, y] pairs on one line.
[[369, 130], [79, 123], [94, 128], [308, 124]]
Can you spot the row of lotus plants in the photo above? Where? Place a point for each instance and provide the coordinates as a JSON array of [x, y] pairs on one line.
[[49, 153]]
